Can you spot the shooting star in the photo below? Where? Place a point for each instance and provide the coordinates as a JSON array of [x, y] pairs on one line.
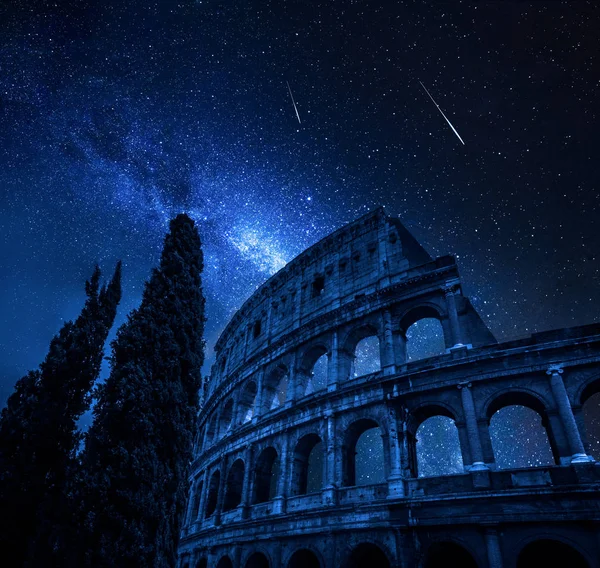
[[438, 107], [293, 102]]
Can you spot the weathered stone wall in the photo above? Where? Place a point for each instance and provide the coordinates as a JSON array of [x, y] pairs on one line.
[[264, 413]]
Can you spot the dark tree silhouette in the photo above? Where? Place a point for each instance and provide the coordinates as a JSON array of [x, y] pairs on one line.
[[38, 430], [138, 449]]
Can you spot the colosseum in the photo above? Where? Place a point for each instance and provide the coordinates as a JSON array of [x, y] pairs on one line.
[[278, 478]]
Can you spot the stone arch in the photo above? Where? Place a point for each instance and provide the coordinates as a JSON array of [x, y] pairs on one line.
[[275, 389], [304, 558], [302, 466], [247, 401], [546, 449], [367, 555], [213, 493], [226, 418], [423, 332], [350, 342], [257, 560], [225, 562], [233, 486], [418, 312], [551, 551], [351, 438], [448, 553], [416, 418], [311, 360], [265, 475]]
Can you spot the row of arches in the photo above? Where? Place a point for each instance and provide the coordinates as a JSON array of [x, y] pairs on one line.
[[541, 552], [520, 438], [362, 356]]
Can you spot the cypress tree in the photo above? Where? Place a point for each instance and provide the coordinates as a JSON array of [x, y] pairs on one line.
[[38, 429], [138, 449]]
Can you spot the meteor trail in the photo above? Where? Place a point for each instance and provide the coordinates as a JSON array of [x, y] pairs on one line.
[[438, 107], [294, 102]]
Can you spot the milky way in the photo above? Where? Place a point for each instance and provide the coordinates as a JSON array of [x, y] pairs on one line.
[[115, 116]]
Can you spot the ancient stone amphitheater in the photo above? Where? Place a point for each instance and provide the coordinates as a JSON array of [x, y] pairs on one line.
[[278, 478]]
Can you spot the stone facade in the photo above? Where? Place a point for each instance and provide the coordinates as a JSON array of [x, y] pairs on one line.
[[264, 414]]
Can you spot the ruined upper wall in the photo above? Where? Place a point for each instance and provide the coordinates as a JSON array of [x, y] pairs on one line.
[[360, 258]]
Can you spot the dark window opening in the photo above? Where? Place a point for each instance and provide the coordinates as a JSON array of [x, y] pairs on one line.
[[256, 329], [318, 286]]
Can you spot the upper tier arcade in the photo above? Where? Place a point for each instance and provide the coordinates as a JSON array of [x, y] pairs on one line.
[[362, 267]]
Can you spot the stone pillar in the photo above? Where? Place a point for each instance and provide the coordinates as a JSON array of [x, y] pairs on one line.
[[202, 504], [279, 501], [399, 343], [247, 483], [387, 356], [449, 291], [258, 403], [494, 553], [466, 395], [221, 492], [294, 378], [333, 362], [395, 478], [567, 419], [331, 482]]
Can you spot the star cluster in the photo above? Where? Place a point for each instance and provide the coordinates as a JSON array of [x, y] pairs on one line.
[[115, 116]]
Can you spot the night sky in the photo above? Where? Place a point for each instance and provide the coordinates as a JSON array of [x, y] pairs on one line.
[[115, 116]]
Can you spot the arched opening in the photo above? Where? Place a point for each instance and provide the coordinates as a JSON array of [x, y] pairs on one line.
[[202, 563], [233, 487], [257, 560], [444, 554], [304, 559], [276, 387], [225, 562], [246, 403], [318, 379], [265, 476], [590, 409], [213, 493], [366, 357], [307, 472], [367, 555], [519, 417], [424, 338], [548, 552], [363, 454], [438, 447], [226, 418]]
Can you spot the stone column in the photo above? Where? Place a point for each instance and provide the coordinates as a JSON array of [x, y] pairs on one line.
[[449, 291], [329, 493], [388, 360], [567, 419], [247, 483], [333, 362], [494, 553], [221, 492], [293, 393], [395, 480], [258, 403], [399, 343], [472, 428], [202, 504], [279, 501]]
